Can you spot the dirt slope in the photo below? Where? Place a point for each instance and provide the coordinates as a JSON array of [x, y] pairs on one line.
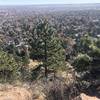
[[10, 92]]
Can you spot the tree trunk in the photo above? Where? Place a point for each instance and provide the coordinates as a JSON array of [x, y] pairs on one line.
[[45, 58]]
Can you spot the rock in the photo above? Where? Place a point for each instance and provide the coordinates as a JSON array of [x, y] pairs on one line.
[[23, 92], [10, 92], [86, 97], [33, 64]]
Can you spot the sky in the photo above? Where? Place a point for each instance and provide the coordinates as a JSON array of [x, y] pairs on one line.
[[29, 2]]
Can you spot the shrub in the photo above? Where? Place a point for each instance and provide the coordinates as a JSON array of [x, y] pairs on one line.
[[95, 52], [9, 68], [82, 62], [60, 91]]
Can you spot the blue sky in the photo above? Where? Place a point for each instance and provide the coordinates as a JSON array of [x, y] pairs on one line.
[[24, 2]]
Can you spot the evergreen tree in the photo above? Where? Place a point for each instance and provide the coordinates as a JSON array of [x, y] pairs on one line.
[[49, 46], [82, 63], [85, 42], [9, 68]]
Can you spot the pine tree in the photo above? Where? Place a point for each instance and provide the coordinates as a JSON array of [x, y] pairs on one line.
[[9, 68], [49, 45]]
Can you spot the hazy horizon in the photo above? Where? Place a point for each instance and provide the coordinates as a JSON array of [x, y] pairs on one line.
[[45, 2]]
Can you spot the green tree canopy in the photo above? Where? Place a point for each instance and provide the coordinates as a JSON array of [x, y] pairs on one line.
[[48, 45], [82, 62], [9, 68]]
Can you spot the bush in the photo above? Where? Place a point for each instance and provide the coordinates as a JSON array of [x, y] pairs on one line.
[[95, 52], [60, 91], [82, 62], [26, 74], [98, 43], [9, 68]]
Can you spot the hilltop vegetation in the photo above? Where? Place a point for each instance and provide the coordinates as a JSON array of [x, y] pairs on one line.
[[57, 50]]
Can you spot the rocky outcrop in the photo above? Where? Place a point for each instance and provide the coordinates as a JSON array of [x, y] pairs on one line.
[[86, 97], [9, 92], [22, 92], [33, 64]]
